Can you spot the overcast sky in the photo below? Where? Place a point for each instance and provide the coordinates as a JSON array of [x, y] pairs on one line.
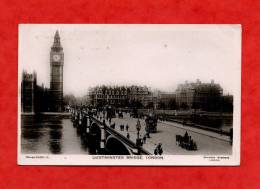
[[159, 56]]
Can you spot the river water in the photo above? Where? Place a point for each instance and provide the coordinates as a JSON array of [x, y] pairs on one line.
[[49, 134]]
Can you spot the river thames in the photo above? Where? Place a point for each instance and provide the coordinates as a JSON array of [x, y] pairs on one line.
[[50, 134]]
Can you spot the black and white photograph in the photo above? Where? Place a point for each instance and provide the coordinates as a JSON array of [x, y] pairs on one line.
[[129, 94]]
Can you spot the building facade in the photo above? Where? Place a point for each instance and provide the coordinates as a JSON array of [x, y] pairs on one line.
[[28, 87], [198, 95], [120, 96], [35, 98], [166, 100]]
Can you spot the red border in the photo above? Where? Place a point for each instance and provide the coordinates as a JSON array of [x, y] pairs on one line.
[[246, 12]]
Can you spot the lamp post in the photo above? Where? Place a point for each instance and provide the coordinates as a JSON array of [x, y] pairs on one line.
[[138, 128]]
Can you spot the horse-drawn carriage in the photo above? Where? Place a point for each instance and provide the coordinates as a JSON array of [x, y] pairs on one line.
[[186, 142], [111, 112]]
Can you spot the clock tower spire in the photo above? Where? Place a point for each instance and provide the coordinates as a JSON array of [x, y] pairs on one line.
[[56, 44], [56, 81]]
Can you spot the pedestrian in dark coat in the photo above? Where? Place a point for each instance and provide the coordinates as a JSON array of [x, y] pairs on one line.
[[159, 149], [144, 139], [155, 151]]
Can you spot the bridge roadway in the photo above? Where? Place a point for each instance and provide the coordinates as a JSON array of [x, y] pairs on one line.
[[209, 143]]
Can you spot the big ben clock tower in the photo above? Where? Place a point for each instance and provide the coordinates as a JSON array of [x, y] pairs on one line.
[[56, 81]]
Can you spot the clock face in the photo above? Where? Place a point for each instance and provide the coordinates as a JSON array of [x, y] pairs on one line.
[[56, 57]]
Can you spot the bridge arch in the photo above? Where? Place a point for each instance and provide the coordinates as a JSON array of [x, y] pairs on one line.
[[116, 147]]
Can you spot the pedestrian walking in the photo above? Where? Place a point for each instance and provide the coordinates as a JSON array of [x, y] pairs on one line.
[[127, 127], [155, 151], [141, 142], [159, 149], [128, 135], [144, 139], [148, 135]]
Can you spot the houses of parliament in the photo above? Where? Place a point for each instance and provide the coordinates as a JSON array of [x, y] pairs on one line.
[[35, 98]]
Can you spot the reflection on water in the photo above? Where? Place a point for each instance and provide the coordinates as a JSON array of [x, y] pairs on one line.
[[49, 134], [55, 138]]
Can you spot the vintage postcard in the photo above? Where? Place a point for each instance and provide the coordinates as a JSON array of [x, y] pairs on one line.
[[129, 94]]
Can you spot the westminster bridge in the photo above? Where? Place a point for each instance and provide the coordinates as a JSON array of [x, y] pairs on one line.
[[101, 135], [120, 136]]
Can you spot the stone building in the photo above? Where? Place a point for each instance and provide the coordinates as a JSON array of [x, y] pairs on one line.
[[140, 94], [28, 87], [36, 98], [166, 100], [198, 95], [120, 96]]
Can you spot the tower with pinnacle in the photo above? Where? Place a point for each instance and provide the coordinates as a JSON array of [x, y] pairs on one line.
[[56, 75]]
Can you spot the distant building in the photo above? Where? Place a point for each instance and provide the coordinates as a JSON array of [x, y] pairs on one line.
[[166, 100], [140, 94], [36, 98], [120, 96], [28, 87], [198, 95], [106, 95], [227, 103]]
